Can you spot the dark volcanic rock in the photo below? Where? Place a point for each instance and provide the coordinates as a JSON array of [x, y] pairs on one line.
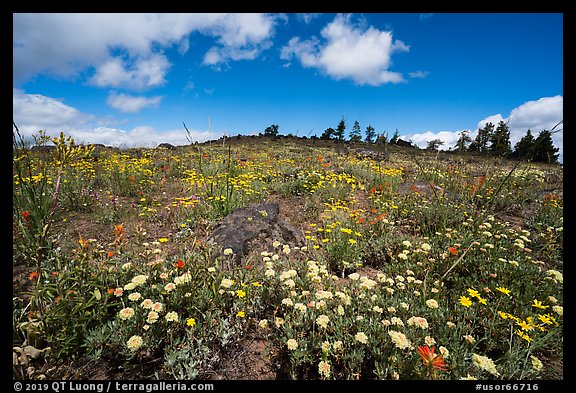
[[256, 221], [43, 148], [166, 146], [403, 143]]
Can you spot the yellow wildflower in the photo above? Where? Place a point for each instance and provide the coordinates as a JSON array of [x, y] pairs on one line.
[[465, 301]]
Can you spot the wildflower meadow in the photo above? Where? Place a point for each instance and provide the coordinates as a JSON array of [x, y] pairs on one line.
[[427, 265]]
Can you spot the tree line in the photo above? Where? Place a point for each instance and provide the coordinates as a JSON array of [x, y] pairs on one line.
[[495, 140], [355, 135], [490, 140]]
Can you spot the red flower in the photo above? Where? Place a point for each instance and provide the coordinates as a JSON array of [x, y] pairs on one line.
[[453, 250], [25, 215], [179, 264], [431, 360], [33, 276]]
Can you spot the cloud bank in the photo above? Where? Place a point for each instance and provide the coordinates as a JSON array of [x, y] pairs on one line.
[[34, 112]]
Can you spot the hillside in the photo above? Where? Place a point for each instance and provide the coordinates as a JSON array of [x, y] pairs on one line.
[[263, 258]]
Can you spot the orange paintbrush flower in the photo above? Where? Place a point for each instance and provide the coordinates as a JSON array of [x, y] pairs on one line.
[[431, 360], [83, 243], [118, 230]]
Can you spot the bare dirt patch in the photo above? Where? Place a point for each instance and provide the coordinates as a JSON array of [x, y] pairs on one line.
[[252, 360]]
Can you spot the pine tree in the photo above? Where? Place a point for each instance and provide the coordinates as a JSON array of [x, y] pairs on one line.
[[523, 148], [434, 144], [382, 138], [272, 130], [328, 133], [500, 140], [370, 134], [395, 138], [544, 150], [339, 134], [463, 141], [480, 143], [356, 133]]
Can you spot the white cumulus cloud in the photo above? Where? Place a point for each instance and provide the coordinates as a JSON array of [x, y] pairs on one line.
[[132, 104], [349, 52], [241, 36], [307, 17], [494, 119], [138, 75], [126, 49], [34, 112]]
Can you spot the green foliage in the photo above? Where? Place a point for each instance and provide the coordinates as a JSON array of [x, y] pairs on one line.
[[483, 137], [370, 134], [328, 134], [463, 142], [434, 144], [68, 297], [395, 137], [184, 360], [523, 148], [339, 133], [544, 150], [272, 130], [356, 133], [37, 191], [382, 139], [500, 140]]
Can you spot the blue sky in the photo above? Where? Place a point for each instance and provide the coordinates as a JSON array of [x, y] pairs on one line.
[[132, 79]]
